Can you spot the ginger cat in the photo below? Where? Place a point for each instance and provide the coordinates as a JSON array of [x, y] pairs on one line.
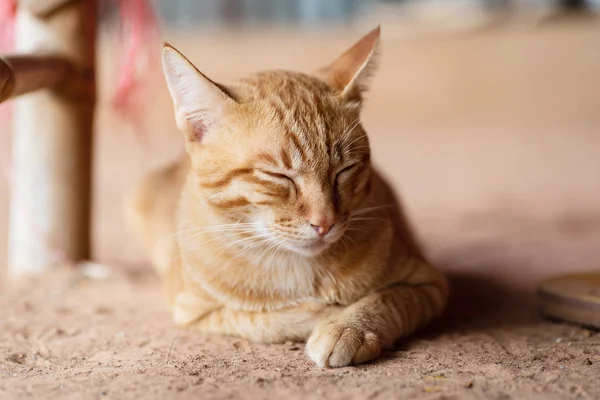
[[275, 226]]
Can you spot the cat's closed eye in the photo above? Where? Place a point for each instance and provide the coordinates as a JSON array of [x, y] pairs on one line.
[[347, 171], [278, 176]]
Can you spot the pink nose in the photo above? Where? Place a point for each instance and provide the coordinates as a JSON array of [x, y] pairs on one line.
[[322, 227]]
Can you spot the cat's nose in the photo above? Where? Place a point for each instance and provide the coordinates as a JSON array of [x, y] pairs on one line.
[[322, 226]]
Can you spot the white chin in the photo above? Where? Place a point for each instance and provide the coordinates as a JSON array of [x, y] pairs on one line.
[[311, 250]]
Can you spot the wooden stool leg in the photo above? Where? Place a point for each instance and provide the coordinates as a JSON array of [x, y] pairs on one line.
[[52, 144]]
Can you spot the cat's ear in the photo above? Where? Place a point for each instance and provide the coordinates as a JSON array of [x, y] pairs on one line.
[[198, 101], [349, 73]]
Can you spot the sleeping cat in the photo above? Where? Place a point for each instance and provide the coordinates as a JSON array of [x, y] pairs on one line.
[[275, 226]]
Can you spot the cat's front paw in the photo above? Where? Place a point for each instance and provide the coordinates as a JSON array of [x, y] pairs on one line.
[[334, 343]]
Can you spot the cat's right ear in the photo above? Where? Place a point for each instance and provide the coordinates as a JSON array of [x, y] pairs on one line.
[[198, 101], [349, 74]]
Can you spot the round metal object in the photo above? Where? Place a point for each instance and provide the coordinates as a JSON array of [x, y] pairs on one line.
[[573, 298]]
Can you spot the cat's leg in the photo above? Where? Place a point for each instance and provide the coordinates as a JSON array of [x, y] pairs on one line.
[[294, 323], [377, 320], [194, 308]]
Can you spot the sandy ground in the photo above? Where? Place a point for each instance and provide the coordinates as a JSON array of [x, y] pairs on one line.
[[66, 337], [491, 139]]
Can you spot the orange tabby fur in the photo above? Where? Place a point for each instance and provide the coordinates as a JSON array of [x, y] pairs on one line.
[[275, 226]]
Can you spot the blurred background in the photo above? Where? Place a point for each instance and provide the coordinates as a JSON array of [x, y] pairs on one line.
[[485, 116]]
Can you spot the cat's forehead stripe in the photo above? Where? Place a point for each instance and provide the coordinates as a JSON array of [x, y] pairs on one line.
[[307, 114], [270, 159], [298, 148], [301, 115], [286, 159]]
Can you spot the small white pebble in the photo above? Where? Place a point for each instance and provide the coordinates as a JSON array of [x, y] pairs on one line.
[[93, 270]]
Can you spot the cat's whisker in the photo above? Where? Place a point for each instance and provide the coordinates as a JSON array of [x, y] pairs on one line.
[[245, 249], [210, 229], [357, 222], [199, 244], [355, 148], [195, 246], [280, 240], [276, 250], [349, 240], [356, 139], [228, 232], [181, 232], [225, 225], [359, 233], [232, 232], [355, 219], [371, 209], [352, 241], [355, 229], [340, 244], [229, 245], [264, 252], [272, 247], [227, 235], [349, 131], [366, 218]]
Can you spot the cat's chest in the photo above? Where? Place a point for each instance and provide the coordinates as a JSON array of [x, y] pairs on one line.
[[270, 285], [273, 286], [343, 288], [280, 282], [341, 282]]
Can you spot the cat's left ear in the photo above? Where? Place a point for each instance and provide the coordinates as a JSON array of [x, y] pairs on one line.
[[198, 101], [349, 73]]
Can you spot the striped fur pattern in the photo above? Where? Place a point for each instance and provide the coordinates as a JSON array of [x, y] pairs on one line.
[[275, 226]]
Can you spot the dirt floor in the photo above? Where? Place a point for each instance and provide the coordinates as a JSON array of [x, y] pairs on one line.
[[67, 336], [491, 139]]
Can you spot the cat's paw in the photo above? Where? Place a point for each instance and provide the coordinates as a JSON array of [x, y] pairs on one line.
[[337, 344]]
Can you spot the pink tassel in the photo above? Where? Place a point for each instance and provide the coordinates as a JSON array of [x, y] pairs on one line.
[[141, 44], [8, 12], [140, 35]]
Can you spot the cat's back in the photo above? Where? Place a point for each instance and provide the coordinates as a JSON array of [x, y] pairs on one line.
[[150, 211], [384, 195]]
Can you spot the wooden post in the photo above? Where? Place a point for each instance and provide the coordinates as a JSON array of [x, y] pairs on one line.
[[20, 74], [52, 140]]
